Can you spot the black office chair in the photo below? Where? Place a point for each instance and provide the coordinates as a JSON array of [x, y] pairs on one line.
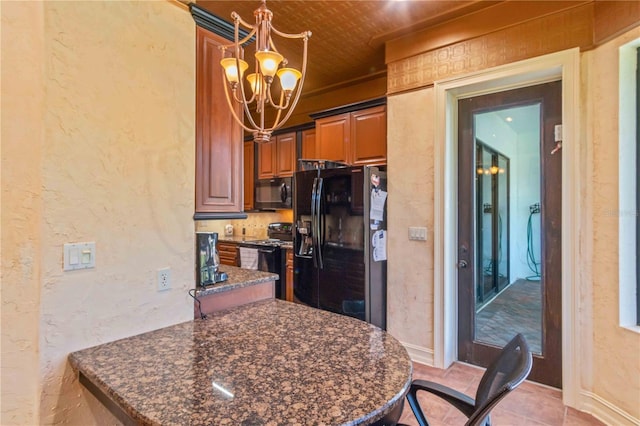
[[506, 372]]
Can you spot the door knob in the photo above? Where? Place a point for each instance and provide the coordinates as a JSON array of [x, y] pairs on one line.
[[462, 264]]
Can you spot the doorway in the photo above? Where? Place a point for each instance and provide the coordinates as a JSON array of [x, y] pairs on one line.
[[509, 226]]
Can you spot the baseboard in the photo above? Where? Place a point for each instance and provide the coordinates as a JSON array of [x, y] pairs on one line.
[[605, 411], [419, 354]]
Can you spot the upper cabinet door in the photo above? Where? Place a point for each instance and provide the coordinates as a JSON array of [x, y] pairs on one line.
[[308, 148], [286, 154], [333, 135], [266, 159], [369, 136], [277, 158], [353, 136], [219, 145]]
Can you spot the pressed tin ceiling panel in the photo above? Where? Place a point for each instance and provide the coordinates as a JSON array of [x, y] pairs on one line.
[[348, 37]]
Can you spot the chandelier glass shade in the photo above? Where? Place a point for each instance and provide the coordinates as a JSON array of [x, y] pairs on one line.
[[269, 65]]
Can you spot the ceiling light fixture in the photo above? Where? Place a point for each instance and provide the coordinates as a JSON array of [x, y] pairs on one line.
[[268, 64]]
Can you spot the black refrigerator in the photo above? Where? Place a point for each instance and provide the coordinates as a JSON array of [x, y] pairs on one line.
[[340, 261]]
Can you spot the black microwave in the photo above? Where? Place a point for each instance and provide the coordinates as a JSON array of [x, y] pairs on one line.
[[273, 194]]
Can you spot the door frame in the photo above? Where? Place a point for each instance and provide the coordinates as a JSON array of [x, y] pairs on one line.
[[566, 66]]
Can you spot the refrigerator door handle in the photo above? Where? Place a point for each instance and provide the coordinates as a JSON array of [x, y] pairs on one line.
[[313, 221], [319, 223]]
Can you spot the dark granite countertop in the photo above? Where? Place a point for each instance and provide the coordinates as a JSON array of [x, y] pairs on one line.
[[238, 278], [266, 363]]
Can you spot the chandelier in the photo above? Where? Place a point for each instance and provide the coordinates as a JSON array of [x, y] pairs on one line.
[[269, 63]]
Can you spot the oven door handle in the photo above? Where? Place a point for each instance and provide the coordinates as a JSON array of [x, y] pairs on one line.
[[267, 251]]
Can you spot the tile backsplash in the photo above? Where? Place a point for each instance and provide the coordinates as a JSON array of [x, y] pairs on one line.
[[255, 224]]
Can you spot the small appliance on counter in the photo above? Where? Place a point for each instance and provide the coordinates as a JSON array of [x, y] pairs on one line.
[[208, 260], [267, 255]]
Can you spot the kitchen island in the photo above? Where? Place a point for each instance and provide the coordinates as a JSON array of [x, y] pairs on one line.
[[266, 363], [242, 286]]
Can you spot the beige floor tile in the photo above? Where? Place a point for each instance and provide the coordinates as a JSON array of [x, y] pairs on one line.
[[530, 404]]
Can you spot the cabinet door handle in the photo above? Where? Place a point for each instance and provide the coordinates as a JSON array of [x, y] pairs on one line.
[[462, 264]]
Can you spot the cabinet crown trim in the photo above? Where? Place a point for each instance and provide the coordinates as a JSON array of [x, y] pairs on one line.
[[349, 108], [215, 24]]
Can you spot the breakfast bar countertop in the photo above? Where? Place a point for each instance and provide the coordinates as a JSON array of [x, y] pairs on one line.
[[266, 363], [238, 278]]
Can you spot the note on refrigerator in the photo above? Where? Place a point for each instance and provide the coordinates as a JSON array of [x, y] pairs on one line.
[[378, 198], [379, 243]]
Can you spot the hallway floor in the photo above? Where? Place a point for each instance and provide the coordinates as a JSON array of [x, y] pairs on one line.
[[529, 404], [517, 309]]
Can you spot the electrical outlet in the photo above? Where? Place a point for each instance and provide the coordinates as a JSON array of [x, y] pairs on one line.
[[164, 279]]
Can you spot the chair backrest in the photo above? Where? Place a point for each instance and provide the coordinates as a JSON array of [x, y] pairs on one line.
[[504, 374]]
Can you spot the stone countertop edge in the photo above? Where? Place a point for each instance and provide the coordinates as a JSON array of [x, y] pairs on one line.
[[238, 278], [227, 328]]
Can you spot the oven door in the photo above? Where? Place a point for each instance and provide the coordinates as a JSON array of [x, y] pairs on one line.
[[272, 194], [268, 260]]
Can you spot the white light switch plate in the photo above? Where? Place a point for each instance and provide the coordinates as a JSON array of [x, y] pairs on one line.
[[418, 233], [79, 256]]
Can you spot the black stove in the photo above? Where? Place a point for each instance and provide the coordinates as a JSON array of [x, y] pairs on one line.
[[278, 233], [268, 256]]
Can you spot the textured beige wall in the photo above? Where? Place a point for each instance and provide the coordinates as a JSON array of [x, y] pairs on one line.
[[21, 209], [616, 348], [612, 365], [104, 153], [410, 147]]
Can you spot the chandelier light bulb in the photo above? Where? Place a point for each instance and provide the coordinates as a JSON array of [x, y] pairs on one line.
[[231, 70], [269, 62], [255, 83], [288, 78]]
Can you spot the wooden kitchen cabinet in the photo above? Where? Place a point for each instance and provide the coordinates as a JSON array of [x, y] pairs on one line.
[[277, 158], [308, 144], [228, 252], [219, 150], [289, 276], [369, 136], [286, 154], [333, 137], [355, 137], [266, 159], [249, 174]]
